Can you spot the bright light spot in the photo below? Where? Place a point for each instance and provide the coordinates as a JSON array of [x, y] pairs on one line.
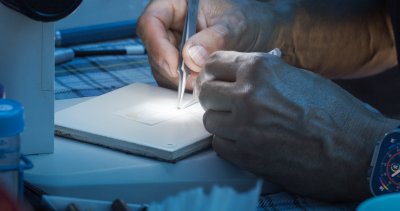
[[155, 112]]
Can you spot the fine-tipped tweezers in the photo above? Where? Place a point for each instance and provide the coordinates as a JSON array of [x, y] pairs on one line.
[[189, 29]]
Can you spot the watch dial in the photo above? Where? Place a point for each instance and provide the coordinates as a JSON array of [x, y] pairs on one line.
[[386, 174], [390, 169]]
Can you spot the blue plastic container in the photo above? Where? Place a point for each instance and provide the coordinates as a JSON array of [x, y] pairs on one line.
[[11, 118], [11, 125]]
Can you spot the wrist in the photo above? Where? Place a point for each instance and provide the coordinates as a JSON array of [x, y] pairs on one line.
[[385, 126], [374, 132], [266, 30], [368, 135]]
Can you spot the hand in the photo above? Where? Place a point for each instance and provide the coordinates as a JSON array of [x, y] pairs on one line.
[[289, 125], [222, 25]]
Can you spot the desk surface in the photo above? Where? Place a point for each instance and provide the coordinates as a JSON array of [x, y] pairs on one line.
[[82, 170], [78, 169]]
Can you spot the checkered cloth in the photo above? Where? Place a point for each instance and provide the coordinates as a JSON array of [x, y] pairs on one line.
[[92, 76]]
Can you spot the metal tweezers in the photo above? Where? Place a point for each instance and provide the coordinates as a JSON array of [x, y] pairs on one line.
[[189, 29]]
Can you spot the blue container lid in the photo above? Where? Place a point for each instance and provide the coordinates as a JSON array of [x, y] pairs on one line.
[[381, 203], [11, 118]]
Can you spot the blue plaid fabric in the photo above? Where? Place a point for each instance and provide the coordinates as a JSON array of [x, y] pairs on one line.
[[92, 76]]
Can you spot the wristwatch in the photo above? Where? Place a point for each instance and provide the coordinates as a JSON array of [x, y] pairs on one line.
[[384, 172]]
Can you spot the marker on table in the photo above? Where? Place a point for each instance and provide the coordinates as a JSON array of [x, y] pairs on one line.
[[68, 54]]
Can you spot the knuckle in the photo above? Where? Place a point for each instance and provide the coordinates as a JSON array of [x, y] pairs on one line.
[[238, 22], [141, 25], [245, 95], [220, 33], [253, 65], [245, 98], [258, 61], [204, 97], [154, 63], [237, 94]]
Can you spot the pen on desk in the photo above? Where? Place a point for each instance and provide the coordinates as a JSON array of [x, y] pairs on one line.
[[95, 33], [67, 54]]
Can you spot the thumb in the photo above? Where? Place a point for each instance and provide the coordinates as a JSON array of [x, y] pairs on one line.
[[201, 45]]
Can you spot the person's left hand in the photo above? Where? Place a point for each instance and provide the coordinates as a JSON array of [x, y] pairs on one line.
[[289, 125]]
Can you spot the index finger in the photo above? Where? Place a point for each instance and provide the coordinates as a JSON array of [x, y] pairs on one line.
[[158, 28]]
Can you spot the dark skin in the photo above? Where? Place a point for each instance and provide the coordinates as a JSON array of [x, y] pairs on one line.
[[292, 126], [337, 39], [273, 116]]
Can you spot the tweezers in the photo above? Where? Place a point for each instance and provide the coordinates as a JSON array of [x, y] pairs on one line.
[[189, 29]]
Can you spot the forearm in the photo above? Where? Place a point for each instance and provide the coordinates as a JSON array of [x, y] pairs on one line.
[[337, 39]]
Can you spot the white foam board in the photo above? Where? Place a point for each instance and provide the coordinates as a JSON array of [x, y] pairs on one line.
[[139, 119]]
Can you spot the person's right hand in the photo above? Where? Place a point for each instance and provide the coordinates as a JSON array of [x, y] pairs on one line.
[[222, 25]]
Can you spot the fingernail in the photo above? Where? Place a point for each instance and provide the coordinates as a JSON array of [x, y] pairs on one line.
[[198, 54]]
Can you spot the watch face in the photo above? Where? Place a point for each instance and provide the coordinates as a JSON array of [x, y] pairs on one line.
[[385, 176]]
